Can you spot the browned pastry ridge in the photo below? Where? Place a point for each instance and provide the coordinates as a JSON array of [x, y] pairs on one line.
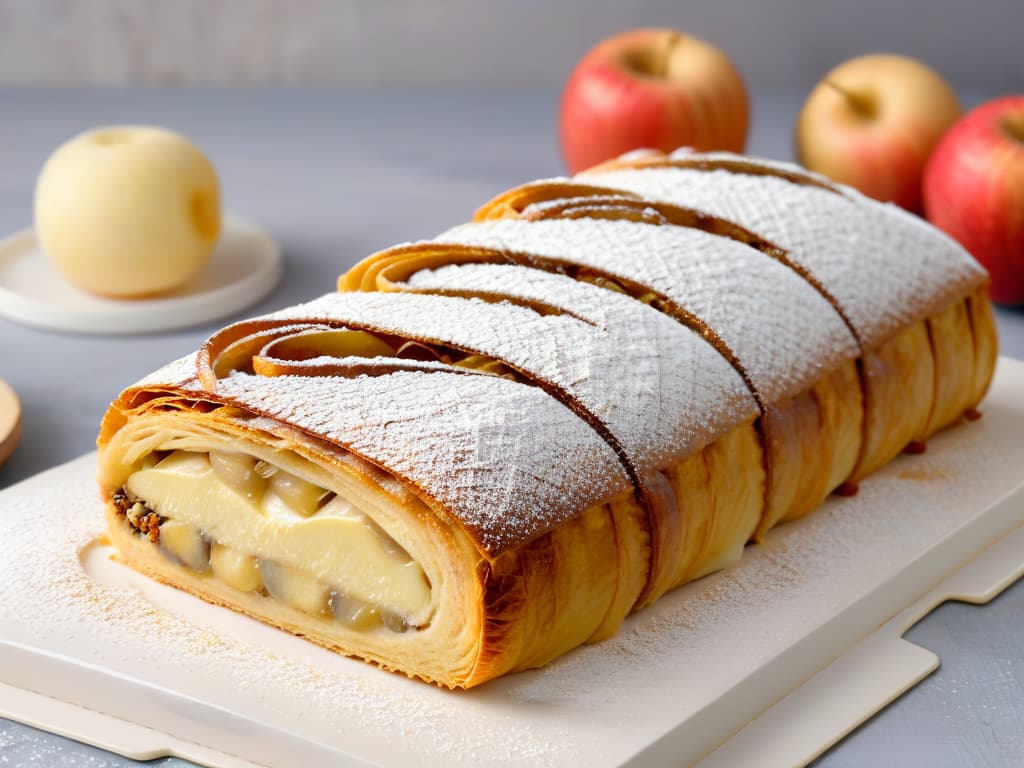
[[491, 447]]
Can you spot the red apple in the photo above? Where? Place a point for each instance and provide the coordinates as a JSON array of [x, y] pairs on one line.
[[974, 190], [651, 88], [872, 122]]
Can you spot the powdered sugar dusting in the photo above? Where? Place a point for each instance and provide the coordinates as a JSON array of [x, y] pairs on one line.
[[679, 393], [174, 373], [782, 331], [885, 267], [663, 390], [503, 458]]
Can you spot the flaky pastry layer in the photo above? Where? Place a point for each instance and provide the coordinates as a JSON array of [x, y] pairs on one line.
[[554, 414]]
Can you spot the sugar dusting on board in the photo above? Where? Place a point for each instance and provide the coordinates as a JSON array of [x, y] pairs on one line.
[[664, 665]]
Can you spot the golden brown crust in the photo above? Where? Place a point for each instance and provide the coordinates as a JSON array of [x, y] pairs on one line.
[[519, 606], [512, 202], [986, 343], [633, 550], [899, 380], [721, 495], [952, 342], [812, 442]]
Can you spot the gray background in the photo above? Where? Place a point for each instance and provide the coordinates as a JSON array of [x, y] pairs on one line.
[[775, 43], [467, 109]]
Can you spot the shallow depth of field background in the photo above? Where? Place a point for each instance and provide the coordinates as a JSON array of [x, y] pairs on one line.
[[775, 43]]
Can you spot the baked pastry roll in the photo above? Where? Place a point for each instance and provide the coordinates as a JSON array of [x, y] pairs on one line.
[[913, 306], [490, 447]]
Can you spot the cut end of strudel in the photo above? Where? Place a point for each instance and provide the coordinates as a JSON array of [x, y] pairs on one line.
[[491, 447]]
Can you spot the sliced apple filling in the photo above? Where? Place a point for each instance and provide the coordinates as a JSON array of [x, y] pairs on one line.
[[282, 352], [260, 529]]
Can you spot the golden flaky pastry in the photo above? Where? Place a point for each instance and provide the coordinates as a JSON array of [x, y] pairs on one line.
[[491, 447]]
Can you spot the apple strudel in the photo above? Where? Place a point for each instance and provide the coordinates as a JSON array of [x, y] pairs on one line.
[[491, 447]]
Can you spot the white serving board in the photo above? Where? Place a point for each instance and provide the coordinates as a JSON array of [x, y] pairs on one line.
[[244, 267], [785, 652]]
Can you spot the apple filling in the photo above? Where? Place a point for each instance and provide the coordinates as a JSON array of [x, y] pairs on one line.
[[260, 529], [275, 357]]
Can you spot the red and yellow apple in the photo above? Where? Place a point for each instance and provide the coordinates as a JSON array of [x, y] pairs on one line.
[[651, 88], [872, 122], [128, 211], [974, 190]]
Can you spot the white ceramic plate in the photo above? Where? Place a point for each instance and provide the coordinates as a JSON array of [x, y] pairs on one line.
[[245, 267]]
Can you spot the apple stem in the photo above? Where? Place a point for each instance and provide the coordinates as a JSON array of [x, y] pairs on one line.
[[860, 103], [670, 44], [1013, 126]]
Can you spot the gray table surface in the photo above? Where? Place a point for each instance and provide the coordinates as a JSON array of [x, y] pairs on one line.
[[336, 175]]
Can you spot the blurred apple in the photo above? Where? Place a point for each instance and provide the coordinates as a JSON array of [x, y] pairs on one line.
[[128, 211], [651, 88], [872, 122], [974, 190]]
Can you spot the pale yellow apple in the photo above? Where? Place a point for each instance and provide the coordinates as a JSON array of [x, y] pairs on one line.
[[872, 122], [128, 211]]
